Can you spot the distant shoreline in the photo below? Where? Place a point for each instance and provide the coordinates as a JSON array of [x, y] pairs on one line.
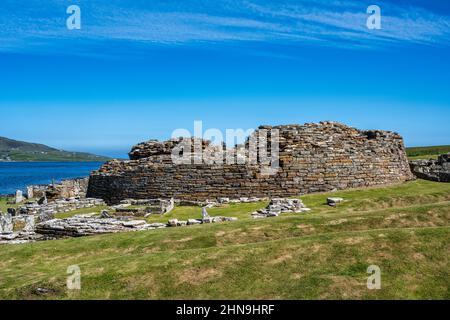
[[17, 175], [52, 161]]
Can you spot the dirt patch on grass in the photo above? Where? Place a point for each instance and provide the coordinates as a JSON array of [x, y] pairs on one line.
[[395, 216], [418, 256], [353, 240], [336, 222], [307, 229], [344, 287], [220, 234], [146, 281], [235, 237], [296, 276], [93, 271], [187, 239], [150, 250], [314, 248], [197, 276], [280, 259]]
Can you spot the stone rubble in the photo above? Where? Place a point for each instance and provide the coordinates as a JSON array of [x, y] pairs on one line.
[[8, 224], [105, 214], [20, 237], [333, 202], [29, 223], [86, 225], [148, 206], [91, 224], [219, 202], [49, 228], [281, 205], [206, 219], [434, 170], [68, 188], [48, 211]]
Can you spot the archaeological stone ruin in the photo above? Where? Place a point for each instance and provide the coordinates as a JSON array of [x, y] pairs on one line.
[[434, 170], [315, 157], [279, 206], [47, 211], [327, 156], [69, 188]]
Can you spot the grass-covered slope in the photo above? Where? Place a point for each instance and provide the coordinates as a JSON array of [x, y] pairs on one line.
[[403, 229], [13, 150], [417, 153]]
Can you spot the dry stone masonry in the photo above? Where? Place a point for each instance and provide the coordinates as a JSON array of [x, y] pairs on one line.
[[145, 207], [279, 205], [87, 225], [93, 224], [69, 188], [313, 158], [17, 229], [47, 211], [434, 170]]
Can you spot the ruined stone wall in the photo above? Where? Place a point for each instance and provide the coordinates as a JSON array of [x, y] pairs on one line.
[[434, 170], [313, 158], [67, 188]]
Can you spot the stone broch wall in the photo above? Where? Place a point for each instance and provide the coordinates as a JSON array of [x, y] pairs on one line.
[[313, 158]]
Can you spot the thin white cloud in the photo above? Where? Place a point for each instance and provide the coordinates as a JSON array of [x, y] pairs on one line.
[[333, 23]]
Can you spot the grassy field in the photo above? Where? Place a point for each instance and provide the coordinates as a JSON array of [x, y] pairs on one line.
[[419, 153], [4, 205], [404, 229]]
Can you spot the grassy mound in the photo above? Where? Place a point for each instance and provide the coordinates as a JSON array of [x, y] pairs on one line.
[[404, 229]]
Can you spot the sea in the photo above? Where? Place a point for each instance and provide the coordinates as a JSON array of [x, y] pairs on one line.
[[18, 175]]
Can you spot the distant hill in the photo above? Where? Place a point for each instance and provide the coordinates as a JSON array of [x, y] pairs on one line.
[[13, 150], [415, 153]]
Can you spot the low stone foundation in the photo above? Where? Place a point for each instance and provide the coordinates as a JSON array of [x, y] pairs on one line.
[[17, 229], [146, 206], [434, 170], [69, 188], [48, 211], [279, 205], [87, 225]]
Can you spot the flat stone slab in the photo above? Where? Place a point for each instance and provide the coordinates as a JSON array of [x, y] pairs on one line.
[[279, 206], [134, 223], [334, 201], [85, 225]]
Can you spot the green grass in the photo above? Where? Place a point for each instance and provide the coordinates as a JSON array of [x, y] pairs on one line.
[[4, 204], [241, 211], [418, 153], [404, 229]]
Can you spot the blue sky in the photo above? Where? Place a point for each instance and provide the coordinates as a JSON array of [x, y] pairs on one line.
[[140, 69]]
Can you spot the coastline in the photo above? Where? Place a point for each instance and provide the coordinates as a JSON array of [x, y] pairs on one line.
[[15, 175], [54, 161]]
